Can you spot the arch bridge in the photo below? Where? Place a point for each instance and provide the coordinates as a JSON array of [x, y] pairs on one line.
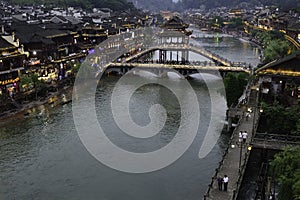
[[175, 57]]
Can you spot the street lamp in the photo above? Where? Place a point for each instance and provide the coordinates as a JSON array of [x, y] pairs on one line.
[[240, 145], [241, 153], [249, 148], [261, 110]]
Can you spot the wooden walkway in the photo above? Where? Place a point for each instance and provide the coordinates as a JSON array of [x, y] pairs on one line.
[[235, 157]]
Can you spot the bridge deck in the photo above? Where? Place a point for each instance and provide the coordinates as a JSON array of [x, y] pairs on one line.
[[178, 66], [275, 141], [230, 163]]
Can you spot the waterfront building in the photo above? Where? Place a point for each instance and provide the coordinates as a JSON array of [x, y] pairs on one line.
[[12, 56], [281, 77]]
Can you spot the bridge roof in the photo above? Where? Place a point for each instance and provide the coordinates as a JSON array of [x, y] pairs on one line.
[[288, 66], [175, 23]]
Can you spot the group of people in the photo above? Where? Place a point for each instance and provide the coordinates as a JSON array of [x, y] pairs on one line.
[[243, 136], [223, 181]]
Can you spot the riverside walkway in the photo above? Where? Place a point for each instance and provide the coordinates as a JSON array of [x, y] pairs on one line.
[[235, 158]]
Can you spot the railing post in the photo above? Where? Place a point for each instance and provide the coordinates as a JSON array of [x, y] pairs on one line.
[[234, 194]]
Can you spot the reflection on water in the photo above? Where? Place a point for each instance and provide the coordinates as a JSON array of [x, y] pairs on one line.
[[43, 158], [233, 49]]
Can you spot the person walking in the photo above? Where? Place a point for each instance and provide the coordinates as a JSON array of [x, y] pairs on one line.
[[220, 182], [240, 136], [225, 180], [244, 136]]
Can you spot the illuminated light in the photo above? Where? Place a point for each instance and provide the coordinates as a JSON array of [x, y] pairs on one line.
[[9, 81], [232, 146], [283, 31], [249, 109], [261, 110], [249, 148], [34, 53]]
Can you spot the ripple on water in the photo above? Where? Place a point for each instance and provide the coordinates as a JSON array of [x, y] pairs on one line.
[[42, 156]]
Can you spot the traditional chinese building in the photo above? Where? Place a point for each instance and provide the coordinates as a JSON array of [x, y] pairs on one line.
[[11, 62], [46, 42], [176, 24], [93, 34], [282, 76]]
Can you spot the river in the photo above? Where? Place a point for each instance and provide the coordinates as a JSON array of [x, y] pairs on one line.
[[42, 156]]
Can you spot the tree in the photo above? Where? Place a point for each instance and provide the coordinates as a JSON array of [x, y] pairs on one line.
[[274, 44], [276, 49], [32, 81], [278, 119], [236, 23], [234, 86], [286, 170]]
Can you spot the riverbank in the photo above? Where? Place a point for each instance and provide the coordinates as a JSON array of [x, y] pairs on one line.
[[25, 108], [60, 97]]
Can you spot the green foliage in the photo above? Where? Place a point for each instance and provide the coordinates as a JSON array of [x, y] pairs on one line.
[[297, 9], [236, 23], [32, 81], [266, 37], [286, 169], [278, 119], [234, 86], [275, 50], [274, 44], [26, 80]]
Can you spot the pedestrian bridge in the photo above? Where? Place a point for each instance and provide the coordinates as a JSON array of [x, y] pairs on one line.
[[144, 60], [275, 141], [184, 47], [178, 66]]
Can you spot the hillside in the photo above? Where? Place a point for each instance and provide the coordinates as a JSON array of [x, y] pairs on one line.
[[186, 4], [116, 5]]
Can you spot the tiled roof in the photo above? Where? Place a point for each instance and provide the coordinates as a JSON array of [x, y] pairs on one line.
[[282, 62], [5, 44]]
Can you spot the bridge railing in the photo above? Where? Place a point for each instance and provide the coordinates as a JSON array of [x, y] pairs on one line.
[[174, 62], [239, 64], [200, 50], [276, 139]]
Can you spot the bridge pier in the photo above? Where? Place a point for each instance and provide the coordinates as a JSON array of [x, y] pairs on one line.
[[223, 74]]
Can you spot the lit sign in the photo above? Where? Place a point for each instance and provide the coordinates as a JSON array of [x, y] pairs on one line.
[[91, 51], [9, 81]]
